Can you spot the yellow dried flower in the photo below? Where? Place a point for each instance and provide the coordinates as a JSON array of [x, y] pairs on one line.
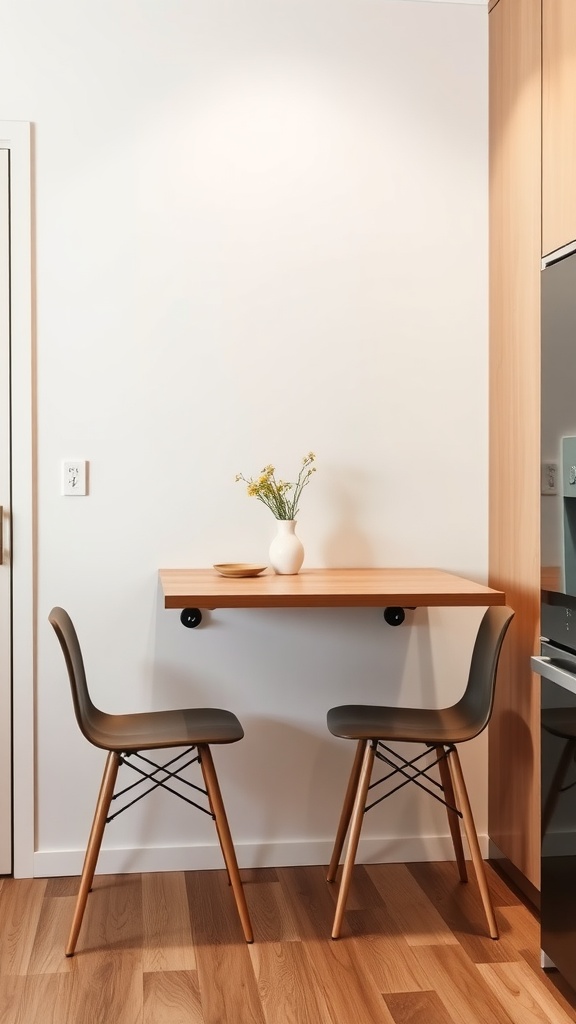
[[280, 496]]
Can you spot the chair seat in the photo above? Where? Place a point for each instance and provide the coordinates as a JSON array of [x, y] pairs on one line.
[[154, 730], [411, 725]]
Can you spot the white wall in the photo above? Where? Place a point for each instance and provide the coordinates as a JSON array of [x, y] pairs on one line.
[[260, 229]]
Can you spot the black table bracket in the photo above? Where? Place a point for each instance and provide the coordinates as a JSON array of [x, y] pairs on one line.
[[191, 617], [395, 616]]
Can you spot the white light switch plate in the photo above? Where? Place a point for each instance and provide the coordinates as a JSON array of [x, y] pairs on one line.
[[74, 477]]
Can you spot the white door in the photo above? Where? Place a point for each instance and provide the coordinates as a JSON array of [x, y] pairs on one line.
[[5, 509]]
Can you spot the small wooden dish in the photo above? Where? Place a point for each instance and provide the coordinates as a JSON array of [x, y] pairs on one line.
[[239, 569]]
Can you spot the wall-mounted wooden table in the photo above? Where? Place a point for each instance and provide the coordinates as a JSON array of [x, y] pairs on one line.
[[325, 588]]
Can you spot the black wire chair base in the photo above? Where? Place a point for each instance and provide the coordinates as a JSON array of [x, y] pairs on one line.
[[160, 776], [412, 772]]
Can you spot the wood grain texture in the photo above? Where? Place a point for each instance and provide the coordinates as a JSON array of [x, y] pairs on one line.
[[411, 951], [377, 947], [225, 973], [558, 123], [166, 921], [514, 502], [46, 954], [460, 986], [562, 992], [21, 909], [287, 984], [524, 1001], [458, 906], [416, 1007], [415, 916], [172, 997], [325, 588]]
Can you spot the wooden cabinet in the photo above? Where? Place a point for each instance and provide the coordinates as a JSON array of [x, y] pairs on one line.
[[558, 123], [532, 212], [514, 549]]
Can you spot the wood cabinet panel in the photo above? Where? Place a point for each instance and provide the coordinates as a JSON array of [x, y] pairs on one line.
[[514, 550], [558, 123]]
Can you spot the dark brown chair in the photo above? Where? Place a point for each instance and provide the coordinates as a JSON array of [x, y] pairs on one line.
[[439, 730], [124, 737]]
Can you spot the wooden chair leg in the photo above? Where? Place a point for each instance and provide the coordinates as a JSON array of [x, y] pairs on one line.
[[355, 829], [216, 822], [225, 839], [346, 812], [472, 836], [453, 819], [94, 843]]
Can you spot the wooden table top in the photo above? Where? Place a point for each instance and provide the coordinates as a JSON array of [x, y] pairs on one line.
[[324, 588]]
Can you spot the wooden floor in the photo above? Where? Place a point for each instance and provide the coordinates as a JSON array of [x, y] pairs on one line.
[[168, 949]]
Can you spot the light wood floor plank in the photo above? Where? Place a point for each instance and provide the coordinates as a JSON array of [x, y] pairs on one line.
[[362, 895], [113, 917], [417, 1008], [559, 989], [277, 923], [502, 894], [312, 900], [167, 934], [522, 927], [456, 980], [415, 915], [377, 949], [172, 997], [460, 906], [524, 997], [106, 987], [20, 907], [350, 996], [34, 999], [259, 876], [344, 989], [11, 996], [287, 985], [65, 886], [51, 933], [225, 972]]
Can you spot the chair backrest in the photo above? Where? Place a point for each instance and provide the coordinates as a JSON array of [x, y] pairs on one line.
[[87, 715], [475, 706]]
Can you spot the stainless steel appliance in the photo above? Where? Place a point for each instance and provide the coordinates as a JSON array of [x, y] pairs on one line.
[[557, 664], [558, 427]]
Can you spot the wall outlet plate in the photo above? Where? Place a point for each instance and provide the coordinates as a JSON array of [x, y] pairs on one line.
[[549, 478]]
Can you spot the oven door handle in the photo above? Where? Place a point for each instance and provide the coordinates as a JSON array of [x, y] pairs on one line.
[[547, 668]]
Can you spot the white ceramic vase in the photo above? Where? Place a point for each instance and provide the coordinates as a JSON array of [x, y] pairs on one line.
[[286, 551]]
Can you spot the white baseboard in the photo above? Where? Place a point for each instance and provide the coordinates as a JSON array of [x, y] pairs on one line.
[[58, 863]]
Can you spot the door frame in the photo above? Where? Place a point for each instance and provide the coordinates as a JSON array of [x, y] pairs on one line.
[[16, 136]]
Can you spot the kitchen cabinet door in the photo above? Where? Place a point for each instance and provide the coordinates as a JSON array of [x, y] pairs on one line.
[[514, 550], [558, 123]]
